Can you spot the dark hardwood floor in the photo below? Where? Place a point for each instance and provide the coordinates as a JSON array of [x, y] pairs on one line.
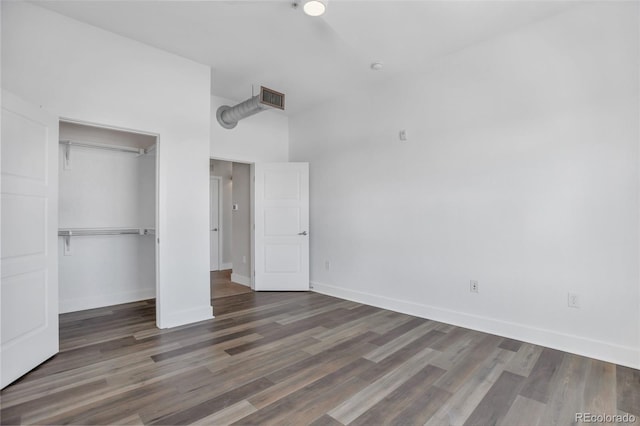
[[222, 286], [305, 358]]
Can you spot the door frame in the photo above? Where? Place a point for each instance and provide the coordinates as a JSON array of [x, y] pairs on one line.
[[220, 221], [249, 163], [158, 151]]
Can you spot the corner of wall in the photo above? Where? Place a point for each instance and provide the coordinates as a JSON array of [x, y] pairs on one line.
[[186, 316]]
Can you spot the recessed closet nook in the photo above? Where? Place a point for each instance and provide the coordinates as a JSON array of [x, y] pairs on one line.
[[107, 217]]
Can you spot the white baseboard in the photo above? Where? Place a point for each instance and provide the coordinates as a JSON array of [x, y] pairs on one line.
[[622, 355], [187, 316], [83, 303], [222, 267], [241, 279]]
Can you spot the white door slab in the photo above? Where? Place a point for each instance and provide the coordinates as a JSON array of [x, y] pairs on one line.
[[281, 226], [29, 265]]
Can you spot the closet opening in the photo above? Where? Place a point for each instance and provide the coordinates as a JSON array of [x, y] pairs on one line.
[[108, 211]]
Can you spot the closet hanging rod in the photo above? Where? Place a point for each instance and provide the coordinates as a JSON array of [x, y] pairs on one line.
[[78, 232], [70, 143]]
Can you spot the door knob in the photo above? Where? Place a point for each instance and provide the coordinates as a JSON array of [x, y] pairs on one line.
[[302, 233]]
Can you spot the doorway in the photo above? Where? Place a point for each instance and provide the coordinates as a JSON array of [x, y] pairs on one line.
[[232, 241], [108, 212]]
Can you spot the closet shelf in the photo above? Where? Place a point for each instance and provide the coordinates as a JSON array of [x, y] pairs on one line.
[[122, 148], [68, 143], [80, 232], [67, 233]]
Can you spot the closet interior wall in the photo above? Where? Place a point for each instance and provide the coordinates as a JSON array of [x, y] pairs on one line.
[[106, 189]]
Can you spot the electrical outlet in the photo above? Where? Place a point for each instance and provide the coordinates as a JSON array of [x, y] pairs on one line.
[[244, 259], [474, 287], [573, 300], [327, 265]]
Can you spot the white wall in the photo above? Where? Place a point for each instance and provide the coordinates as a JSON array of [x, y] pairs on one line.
[[105, 270], [100, 190], [223, 170], [241, 247], [261, 137], [78, 71], [147, 190], [521, 171]]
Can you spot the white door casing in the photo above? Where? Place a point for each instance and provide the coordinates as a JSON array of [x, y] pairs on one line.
[[214, 222], [280, 238], [29, 222]]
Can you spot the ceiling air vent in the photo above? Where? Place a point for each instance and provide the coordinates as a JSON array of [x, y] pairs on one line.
[[271, 98], [228, 117]]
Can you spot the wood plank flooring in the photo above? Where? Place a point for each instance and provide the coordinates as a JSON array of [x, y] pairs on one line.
[[304, 358], [222, 286]]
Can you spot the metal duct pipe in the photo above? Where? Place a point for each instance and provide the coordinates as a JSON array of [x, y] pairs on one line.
[[228, 117]]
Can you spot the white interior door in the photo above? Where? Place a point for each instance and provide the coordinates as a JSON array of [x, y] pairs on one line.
[[281, 226], [214, 221], [29, 288]]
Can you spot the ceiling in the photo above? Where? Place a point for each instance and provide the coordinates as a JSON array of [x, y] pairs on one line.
[[274, 44]]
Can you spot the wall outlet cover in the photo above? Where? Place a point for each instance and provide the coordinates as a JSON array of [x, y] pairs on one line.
[[573, 300]]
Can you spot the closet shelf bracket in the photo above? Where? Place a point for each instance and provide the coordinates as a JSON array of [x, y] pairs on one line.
[[67, 156], [67, 245], [150, 149]]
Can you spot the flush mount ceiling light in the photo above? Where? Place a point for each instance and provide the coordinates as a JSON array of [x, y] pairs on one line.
[[314, 7]]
